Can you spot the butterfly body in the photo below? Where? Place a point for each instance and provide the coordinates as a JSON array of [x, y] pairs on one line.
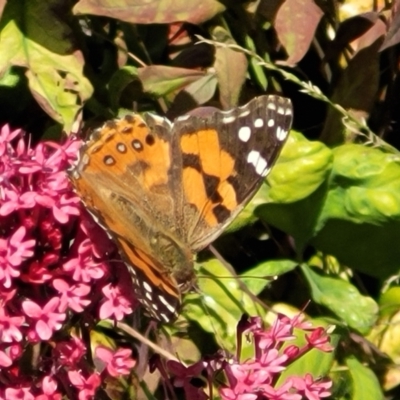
[[166, 190]]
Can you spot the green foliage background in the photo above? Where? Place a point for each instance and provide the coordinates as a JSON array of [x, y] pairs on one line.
[[327, 222]]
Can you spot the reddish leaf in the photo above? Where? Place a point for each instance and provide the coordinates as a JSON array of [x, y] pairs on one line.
[[2, 5], [145, 12], [393, 35], [350, 30], [295, 25], [231, 68]]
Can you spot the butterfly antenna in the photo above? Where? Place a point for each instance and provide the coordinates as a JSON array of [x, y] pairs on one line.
[[201, 295]]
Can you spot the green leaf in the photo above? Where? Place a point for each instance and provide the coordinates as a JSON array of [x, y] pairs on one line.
[[344, 202], [361, 213], [43, 46], [118, 82], [365, 384], [297, 188], [221, 303], [337, 295], [302, 167], [203, 89], [161, 80], [256, 278], [389, 302], [255, 67]]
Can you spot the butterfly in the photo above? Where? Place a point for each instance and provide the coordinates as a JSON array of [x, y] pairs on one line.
[[165, 190]]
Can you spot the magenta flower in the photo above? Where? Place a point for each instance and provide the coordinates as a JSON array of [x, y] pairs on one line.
[[13, 251], [319, 339], [10, 327], [5, 359], [87, 387], [284, 392], [49, 389], [6, 136], [83, 268], [48, 319], [62, 206], [72, 296], [23, 393], [117, 362], [14, 201], [254, 378], [69, 353], [116, 305], [312, 389], [53, 265]]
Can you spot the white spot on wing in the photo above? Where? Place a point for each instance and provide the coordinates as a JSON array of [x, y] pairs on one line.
[[260, 164], [183, 117], [166, 304], [244, 113], [244, 133], [281, 111], [147, 287], [166, 319], [271, 106], [271, 122], [228, 119], [281, 133], [259, 123]]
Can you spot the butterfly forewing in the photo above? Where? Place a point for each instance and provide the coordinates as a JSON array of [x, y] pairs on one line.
[[229, 155]]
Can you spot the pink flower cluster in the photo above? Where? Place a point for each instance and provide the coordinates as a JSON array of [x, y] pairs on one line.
[[54, 275], [257, 378]]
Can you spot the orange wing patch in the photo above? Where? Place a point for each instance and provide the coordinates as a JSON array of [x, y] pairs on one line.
[[207, 169], [146, 155]]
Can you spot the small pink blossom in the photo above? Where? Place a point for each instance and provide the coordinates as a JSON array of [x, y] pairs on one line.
[[62, 206], [83, 268], [312, 389], [87, 387], [117, 362], [10, 327], [116, 305], [14, 201], [23, 393], [5, 359], [13, 251], [6, 136], [284, 392], [48, 319], [72, 296], [69, 353], [280, 331], [319, 339], [49, 389], [9, 353]]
